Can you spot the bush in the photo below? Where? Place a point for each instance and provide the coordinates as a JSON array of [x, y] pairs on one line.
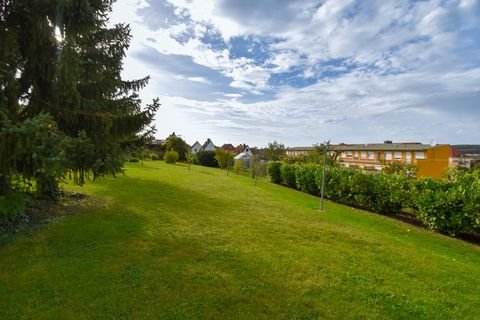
[[274, 171], [171, 156], [237, 166], [191, 158], [176, 143], [134, 160], [449, 206], [337, 184], [362, 190], [206, 158], [12, 205], [4, 185], [223, 157], [410, 170], [306, 175], [391, 193], [257, 167], [155, 157], [288, 175]]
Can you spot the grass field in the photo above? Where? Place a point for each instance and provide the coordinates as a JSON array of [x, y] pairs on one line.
[[163, 242]]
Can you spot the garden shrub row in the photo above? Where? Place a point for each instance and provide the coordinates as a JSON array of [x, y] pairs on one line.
[[450, 205]]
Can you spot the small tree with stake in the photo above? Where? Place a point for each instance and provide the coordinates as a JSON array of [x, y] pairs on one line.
[[223, 157], [190, 157]]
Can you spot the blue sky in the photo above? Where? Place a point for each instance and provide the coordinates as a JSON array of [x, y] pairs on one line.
[[305, 71]]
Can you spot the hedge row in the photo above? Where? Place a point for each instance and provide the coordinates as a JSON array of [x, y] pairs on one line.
[[450, 205]]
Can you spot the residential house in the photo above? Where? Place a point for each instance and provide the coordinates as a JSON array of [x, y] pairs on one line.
[[228, 147], [157, 145], [208, 146], [195, 147], [244, 154], [243, 148], [466, 156]]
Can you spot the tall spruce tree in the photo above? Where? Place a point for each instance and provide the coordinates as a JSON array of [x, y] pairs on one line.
[[63, 103]]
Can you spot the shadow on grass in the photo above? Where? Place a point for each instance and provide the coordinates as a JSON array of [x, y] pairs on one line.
[[154, 194]]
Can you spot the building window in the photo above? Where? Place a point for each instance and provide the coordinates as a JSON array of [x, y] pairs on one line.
[[371, 155], [397, 155], [420, 155], [349, 154], [355, 155], [408, 157], [363, 155], [344, 154], [388, 156], [379, 156]]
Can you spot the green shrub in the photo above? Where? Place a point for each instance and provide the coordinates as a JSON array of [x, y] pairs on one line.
[[134, 160], [288, 175], [206, 158], [171, 156], [258, 168], [191, 158], [306, 175], [449, 206], [439, 206], [155, 157], [336, 184], [470, 182], [4, 185], [254, 167], [391, 193], [12, 205], [274, 171], [409, 170], [223, 157], [237, 166], [362, 189]]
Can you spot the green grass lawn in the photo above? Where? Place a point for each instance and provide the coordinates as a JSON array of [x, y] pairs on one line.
[[163, 242]]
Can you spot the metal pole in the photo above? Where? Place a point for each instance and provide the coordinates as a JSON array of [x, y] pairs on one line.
[[323, 180], [325, 149]]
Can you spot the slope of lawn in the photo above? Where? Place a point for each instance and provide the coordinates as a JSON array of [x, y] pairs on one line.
[[163, 242]]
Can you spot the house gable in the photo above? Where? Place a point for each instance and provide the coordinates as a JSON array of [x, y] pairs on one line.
[[208, 146], [195, 147]]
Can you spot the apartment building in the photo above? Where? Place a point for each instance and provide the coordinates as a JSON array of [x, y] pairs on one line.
[[430, 160]]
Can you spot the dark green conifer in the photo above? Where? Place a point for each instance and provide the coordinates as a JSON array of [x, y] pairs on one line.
[[60, 69]]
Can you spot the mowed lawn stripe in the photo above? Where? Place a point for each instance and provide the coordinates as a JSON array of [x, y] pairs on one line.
[[171, 243]]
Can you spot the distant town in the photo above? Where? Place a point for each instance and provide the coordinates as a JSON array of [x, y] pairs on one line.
[[431, 160]]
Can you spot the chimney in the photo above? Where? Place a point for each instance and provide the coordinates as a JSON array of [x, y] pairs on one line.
[[387, 142]]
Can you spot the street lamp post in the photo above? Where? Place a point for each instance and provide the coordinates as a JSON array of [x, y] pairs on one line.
[[325, 150]]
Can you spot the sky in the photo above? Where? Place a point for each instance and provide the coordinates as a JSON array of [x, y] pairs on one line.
[[303, 72]]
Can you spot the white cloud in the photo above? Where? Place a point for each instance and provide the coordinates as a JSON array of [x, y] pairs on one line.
[[194, 79], [380, 64]]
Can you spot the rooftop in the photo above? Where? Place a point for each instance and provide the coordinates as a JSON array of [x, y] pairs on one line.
[[386, 146]]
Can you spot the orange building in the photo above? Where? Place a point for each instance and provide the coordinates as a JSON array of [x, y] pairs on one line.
[[430, 160], [435, 163]]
